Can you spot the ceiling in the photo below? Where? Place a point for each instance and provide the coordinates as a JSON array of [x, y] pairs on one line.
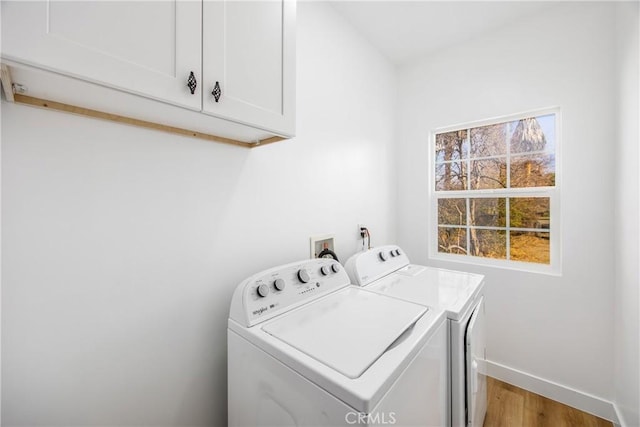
[[408, 30]]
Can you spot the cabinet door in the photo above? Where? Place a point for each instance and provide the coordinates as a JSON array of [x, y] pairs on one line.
[[145, 47], [249, 52]]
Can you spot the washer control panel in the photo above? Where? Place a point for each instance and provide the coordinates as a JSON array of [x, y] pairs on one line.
[[279, 289]]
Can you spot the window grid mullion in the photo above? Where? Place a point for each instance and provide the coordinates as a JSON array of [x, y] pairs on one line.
[[508, 210], [487, 227], [468, 230], [468, 200], [508, 160], [468, 160], [510, 192], [508, 227], [497, 156]]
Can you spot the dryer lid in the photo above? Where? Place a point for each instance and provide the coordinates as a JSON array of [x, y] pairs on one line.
[[347, 330], [451, 291]]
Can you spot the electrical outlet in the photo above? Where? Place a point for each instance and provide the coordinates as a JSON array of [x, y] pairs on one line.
[[364, 237], [361, 230], [321, 242]]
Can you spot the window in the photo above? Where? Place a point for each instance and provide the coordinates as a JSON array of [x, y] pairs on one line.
[[495, 194]]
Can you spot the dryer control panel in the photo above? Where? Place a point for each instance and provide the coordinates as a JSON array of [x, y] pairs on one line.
[[274, 291], [366, 267]]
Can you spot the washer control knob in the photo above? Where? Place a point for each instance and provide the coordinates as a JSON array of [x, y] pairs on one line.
[[335, 267], [393, 253], [325, 270], [398, 252], [263, 290], [303, 276], [278, 284], [383, 256]]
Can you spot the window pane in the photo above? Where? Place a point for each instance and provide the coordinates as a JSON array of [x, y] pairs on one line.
[[489, 140], [452, 145], [490, 212], [533, 134], [530, 247], [451, 176], [452, 240], [486, 174], [529, 212], [488, 243], [537, 170], [452, 212]]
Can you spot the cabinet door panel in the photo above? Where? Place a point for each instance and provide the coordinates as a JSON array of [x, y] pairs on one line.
[[249, 49], [144, 47]]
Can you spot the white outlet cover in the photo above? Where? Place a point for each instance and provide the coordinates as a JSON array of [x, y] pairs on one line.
[[319, 242]]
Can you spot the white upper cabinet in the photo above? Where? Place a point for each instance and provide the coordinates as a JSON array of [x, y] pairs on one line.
[[150, 48], [144, 47], [249, 53]]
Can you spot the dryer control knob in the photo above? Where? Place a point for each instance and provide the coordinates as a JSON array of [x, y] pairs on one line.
[[303, 276], [278, 284], [393, 253], [398, 252], [263, 290], [383, 256], [335, 267], [325, 270]]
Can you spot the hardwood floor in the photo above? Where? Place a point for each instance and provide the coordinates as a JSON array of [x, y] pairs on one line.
[[511, 406]]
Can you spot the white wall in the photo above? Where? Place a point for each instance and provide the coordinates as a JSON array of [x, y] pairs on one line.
[[551, 334], [122, 246], [627, 216]]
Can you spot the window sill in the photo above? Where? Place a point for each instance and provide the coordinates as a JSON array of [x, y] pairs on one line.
[[525, 267]]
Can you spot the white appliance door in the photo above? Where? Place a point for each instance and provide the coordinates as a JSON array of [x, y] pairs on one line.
[[347, 330], [476, 380]]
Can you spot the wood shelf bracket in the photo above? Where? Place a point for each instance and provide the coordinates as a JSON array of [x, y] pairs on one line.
[[7, 83]]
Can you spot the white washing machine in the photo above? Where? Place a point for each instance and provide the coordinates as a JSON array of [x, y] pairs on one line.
[[387, 270], [307, 348]]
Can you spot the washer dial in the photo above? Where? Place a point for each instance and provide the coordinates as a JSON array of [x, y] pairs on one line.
[[279, 284], [262, 290], [303, 276]]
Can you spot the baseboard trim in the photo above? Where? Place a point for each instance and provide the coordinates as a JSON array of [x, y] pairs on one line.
[[620, 418], [577, 399]]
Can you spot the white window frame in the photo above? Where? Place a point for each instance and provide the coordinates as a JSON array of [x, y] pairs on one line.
[[553, 193]]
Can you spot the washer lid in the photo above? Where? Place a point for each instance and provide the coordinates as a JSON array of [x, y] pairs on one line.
[[346, 331]]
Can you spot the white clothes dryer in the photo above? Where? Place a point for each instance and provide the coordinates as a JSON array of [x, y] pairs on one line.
[[307, 348], [387, 270]]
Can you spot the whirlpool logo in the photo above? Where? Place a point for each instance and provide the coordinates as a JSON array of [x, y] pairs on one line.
[[260, 311], [380, 418]]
